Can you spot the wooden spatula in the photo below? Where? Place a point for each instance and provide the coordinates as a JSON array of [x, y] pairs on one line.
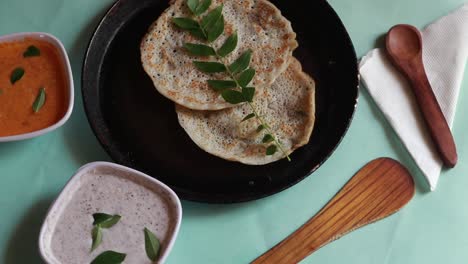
[[378, 190]]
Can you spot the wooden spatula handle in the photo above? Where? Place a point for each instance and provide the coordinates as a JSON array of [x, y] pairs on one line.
[[437, 125], [376, 191]]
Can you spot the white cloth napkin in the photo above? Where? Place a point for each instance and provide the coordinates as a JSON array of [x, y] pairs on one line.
[[445, 51]]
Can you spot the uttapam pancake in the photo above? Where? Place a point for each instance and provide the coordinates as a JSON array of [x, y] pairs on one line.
[[260, 27], [288, 106]]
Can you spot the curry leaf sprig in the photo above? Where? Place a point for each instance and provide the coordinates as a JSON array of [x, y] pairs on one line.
[[235, 89]]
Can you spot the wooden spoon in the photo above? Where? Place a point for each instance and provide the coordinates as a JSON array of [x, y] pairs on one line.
[[378, 190], [404, 45]]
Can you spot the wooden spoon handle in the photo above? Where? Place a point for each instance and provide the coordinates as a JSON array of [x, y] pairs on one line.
[[379, 189], [433, 116], [404, 46]]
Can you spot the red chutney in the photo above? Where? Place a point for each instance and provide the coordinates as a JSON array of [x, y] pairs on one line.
[[16, 100]]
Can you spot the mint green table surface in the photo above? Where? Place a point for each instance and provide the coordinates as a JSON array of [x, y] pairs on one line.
[[431, 229]]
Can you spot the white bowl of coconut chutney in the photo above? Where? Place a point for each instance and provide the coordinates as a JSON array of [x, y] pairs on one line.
[[139, 200]]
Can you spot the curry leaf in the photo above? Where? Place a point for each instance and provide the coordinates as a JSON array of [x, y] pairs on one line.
[[211, 18], [100, 217], [217, 29], [109, 257], [185, 23], [209, 67], [192, 5], [202, 7], [199, 49], [247, 117], [248, 93], [268, 138], [241, 63], [232, 96], [152, 245], [220, 85], [110, 222], [261, 127], [105, 220], [32, 51], [190, 25], [228, 46], [96, 235], [246, 77], [40, 100], [16, 75], [198, 33], [271, 150]]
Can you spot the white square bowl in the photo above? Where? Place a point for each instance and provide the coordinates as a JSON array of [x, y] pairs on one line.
[[56, 209], [65, 64]]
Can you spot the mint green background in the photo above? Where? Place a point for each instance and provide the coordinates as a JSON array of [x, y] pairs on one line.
[[431, 229]]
